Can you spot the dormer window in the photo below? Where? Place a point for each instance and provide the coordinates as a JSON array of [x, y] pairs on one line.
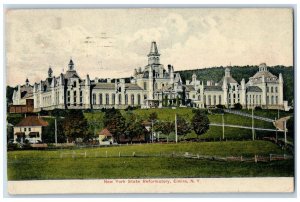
[[74, 84]]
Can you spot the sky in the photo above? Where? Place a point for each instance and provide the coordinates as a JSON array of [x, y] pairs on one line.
[[111, 43]]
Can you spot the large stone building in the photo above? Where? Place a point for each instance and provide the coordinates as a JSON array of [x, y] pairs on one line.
[[151, 86]]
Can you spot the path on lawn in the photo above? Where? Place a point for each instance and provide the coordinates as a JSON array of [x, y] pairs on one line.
[[248, 115], [279, 124]]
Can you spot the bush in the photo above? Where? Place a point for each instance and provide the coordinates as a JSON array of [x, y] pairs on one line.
[[219, 106], [237, 106], [258, 108]]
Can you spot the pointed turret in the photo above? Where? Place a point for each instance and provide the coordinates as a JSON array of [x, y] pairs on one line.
[[50, 71], [71, 65], [153, 56], [27, 82]]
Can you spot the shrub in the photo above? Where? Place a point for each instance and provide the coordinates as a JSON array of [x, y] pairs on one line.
[[238, 106]]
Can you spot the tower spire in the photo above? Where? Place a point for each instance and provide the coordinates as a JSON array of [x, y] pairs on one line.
[[153, 56], [71, 65]]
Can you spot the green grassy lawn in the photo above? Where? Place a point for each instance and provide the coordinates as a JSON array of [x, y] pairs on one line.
[[24, 165]]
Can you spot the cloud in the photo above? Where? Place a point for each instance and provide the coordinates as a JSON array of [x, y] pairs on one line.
[[111, 43]]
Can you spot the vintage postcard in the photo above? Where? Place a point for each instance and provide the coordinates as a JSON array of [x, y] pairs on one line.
[[150, 100]]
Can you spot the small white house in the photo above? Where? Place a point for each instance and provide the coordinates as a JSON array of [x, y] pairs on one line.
[[29, 128]]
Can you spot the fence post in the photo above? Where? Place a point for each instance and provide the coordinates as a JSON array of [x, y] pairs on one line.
[[133, 153], [241, 158], [255, 158], [284, 157], [119, 154], [270, 157]]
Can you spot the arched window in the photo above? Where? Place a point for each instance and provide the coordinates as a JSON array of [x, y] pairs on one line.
[[209, 100], [272, 99], [145, 97], [107, 99], [276, 100], [126, 99], [155, 86], [215, 100], [132, 99], [100, 99], [120, 99], [145, 85], [276, 90], [199, 97], [220, 99], [271, 89], [139, 99]]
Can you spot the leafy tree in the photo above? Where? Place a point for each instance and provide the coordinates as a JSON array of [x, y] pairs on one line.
[[183, 126], [115, 123], [166, 128], [134, 127], [290, 127], [153, 116], [75, 125], [200, 122]]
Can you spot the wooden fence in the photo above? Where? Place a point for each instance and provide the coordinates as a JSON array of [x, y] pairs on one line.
[[106, 154]]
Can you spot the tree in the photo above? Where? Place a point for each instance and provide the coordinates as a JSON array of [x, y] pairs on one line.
[[75, 125], [153, 116], [238, 106], [115, 123], [290, 127], [134, 127], [166, 128], [200, 122], [183, 126]]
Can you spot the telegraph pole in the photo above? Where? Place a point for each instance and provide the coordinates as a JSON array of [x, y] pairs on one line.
[[223, 126], [152, 131], [285, 132], [176, 138], [55, 132], [252, 125]]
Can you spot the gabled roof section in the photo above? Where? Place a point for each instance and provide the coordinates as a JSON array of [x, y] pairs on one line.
[[253, 89], [105, 132], [213, 88], [32, 121]]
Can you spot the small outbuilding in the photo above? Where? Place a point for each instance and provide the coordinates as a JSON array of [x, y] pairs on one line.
[[29, 128], [105, 137]]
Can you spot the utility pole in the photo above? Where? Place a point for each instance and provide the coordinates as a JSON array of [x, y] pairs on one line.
[[223, 126], [176, 138], [55, 132], [285, 132], [276, 130], [152, 130], [252, 125]]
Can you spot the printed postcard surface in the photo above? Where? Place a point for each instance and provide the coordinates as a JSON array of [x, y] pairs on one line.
[[150, 100]]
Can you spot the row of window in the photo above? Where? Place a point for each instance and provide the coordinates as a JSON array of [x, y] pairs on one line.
[[113, 99], [25, 129], [271, 89]]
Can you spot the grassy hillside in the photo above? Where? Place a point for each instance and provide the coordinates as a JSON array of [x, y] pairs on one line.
[[168, 114], [25, 165]]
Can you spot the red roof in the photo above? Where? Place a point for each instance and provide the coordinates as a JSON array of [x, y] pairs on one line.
[[105, 132], [32, 121]]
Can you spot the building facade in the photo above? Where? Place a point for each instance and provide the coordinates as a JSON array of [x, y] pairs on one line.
[[152, 86]]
